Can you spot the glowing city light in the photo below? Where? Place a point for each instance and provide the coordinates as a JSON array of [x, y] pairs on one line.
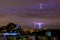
[[6, 34], [9, 34], [13, 33], [40, 5], [37, 25]]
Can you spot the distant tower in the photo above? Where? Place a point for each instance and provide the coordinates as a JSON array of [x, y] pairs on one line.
[[37, 25], [17, 25]]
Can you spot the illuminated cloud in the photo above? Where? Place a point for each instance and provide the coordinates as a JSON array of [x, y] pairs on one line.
[[24, 12]]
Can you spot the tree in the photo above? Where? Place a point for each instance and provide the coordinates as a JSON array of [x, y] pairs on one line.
[[10, 26]]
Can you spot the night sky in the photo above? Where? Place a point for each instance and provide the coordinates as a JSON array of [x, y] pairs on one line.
[[26, 12]]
